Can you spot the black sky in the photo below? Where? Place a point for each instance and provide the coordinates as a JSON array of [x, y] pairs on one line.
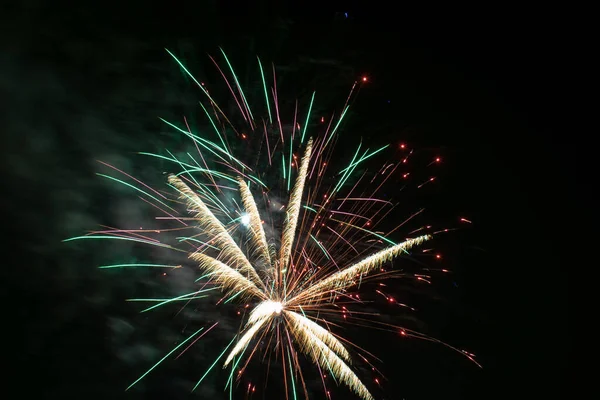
[[481, 85]]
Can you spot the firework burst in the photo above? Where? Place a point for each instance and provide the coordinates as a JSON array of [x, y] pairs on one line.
[[294, 280]]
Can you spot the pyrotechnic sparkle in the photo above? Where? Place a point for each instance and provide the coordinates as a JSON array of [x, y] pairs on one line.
[[296, 283], [245, 219]]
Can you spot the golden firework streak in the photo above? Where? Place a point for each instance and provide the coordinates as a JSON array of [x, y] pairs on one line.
[[293, 210], [259, 239], [230, 252], [244, 340], [226, 277], [300, 322], [327, 359], [347, 277]]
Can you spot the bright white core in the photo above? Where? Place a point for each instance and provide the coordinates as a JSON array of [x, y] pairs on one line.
[[245, 219]]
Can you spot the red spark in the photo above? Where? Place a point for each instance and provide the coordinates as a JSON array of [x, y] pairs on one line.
[[465, 220], [402, 146], [437, 159], [438, 256], [243, 136], [322, 119], [364, 78]]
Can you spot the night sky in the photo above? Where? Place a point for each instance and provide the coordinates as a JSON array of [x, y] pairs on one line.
[[476, 86]]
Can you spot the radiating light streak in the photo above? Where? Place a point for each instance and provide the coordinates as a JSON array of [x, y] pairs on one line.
[[122, 238], [165, 212], [340, 182], [312, 99], [262, 74], [336, 126], [135, 188], [199, 85], [366, 199], [139, 265], [182, 297], [238, 85], [129, 176], [213, 364], [244, 114], [364, 230], [367, 156], [165, 357]]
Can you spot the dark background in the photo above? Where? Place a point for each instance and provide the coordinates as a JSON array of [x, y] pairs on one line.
[[479, 86]]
